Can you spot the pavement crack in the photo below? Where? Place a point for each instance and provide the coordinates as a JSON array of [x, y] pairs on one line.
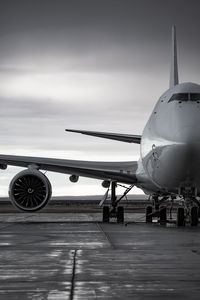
[[106, 236], [73, 276]]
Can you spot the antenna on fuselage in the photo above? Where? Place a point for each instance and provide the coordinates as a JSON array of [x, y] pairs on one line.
[[174, 63]]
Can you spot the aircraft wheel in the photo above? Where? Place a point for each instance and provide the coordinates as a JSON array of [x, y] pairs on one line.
[[163, 214], [199, 212], [120, 214], [106, 214], [149, 214], [180, 216], [194, 219]]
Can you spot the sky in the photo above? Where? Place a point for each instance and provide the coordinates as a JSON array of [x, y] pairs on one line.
[[94, 65]]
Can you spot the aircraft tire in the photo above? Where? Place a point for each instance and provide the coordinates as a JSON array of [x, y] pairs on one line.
[[163, 214], [148, 212], [106, 214], [120, 214], [180, 216], [194, 219]]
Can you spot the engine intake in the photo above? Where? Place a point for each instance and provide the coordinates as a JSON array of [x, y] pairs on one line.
[[30, 190], [74, 178]]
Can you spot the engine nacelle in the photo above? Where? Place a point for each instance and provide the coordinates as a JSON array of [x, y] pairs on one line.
[[3, 166], [74, 178], [106, 184], [30, 190]]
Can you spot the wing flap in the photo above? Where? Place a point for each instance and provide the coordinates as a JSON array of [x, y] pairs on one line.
[[127, 138]]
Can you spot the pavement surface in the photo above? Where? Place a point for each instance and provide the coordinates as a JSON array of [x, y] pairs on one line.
[[67, 256]]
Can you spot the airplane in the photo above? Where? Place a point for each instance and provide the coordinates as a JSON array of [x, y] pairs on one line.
[[168, 166]]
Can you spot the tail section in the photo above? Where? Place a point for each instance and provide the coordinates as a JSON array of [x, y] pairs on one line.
[[174, 62]]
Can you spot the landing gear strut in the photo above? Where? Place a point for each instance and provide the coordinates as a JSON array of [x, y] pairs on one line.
[[115, 211]]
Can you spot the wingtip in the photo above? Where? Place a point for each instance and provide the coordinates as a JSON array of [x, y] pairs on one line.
[[68, 129], [71, 130]]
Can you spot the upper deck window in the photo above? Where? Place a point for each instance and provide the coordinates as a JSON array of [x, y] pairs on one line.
[[185, 97]]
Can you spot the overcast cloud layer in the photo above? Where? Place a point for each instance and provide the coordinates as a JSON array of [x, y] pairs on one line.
[[97, 65]]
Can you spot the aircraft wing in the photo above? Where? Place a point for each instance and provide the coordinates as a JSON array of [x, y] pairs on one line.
[[127, 138], [117, 171]]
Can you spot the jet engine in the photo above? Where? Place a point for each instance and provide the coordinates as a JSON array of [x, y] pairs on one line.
[[106, 184], [30, 190], [74, 178]]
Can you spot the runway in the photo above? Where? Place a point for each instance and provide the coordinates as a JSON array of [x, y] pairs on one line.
[[73, 256]]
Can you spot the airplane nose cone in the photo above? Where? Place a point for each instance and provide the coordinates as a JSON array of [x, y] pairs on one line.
[[188, 135]]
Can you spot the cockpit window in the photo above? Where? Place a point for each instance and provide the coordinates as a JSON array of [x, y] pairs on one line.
[[185, 97], [194, 97], [179, 97]]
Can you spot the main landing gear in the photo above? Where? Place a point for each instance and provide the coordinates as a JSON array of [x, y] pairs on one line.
[[115, 211], [187, 215], [188, 211], [157, 210], [107, 214], [160, 213]]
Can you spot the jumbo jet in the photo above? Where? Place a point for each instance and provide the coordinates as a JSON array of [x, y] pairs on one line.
[[168, 167]]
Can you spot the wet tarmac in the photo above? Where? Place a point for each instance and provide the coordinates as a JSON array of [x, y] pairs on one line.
[[67, 256]]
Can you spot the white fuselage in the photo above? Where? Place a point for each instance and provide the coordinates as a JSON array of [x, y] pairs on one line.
[[170, 145]]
